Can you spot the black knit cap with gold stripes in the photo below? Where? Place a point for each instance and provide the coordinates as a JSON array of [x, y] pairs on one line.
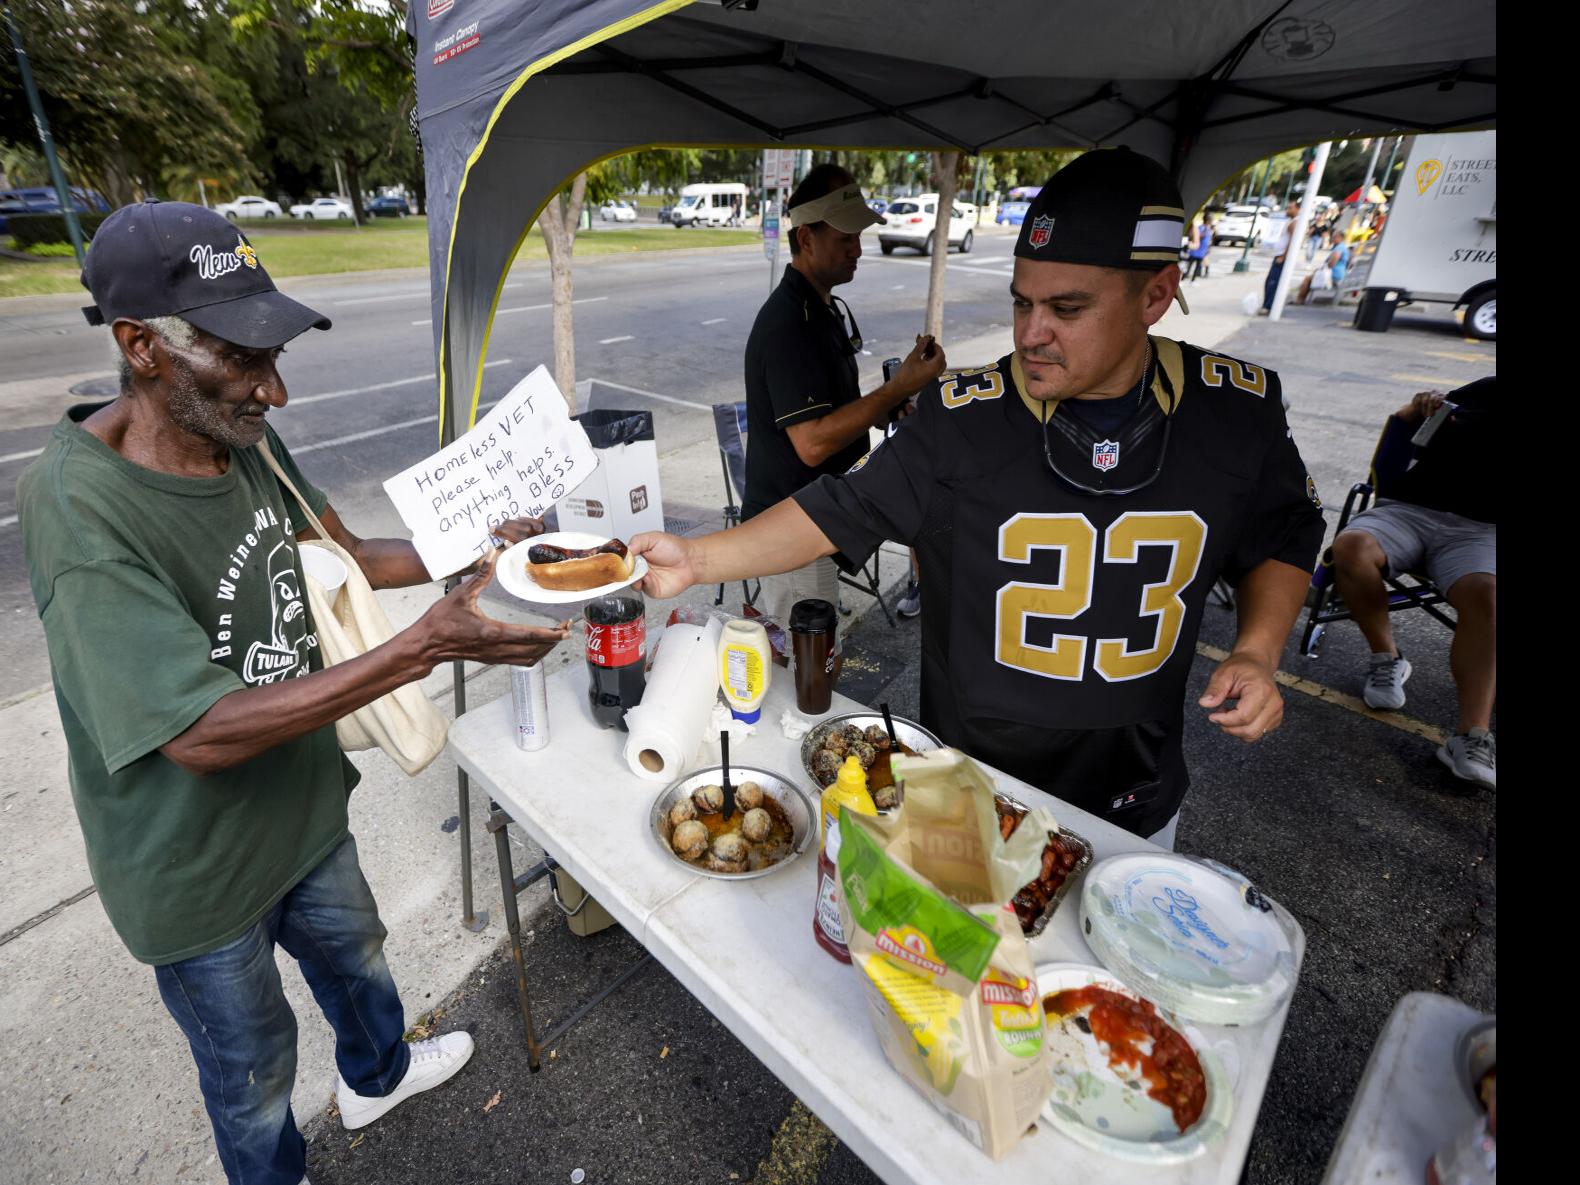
[[1109, 207]]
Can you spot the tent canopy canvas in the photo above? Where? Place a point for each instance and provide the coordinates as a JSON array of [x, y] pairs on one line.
[[517, 96]]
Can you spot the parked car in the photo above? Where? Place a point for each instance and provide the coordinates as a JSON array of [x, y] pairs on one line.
[[877, 205], [42, 200], [911, 222], [664, 213], [388, 207], [1240, 223], [1012, 213], [249, 206], [617, 212], [321, 208]]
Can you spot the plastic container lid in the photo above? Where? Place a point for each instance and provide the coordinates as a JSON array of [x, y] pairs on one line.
[[751, 717], [1193, 937]]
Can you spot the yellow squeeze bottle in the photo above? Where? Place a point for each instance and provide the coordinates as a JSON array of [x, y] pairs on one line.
[[848, 792], [744, 667]]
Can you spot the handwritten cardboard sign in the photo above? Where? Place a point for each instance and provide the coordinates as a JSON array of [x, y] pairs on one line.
[[524, 455]]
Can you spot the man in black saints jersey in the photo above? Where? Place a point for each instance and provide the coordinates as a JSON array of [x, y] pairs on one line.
[[1072, 505]]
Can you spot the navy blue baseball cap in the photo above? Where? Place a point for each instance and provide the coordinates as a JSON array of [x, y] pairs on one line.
[[1109, 207], [162, 259]]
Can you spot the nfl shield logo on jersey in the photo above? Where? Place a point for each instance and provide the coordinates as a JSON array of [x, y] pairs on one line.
[[1041, 230], [1105, 455]]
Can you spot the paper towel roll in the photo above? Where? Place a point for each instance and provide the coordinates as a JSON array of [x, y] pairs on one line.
[[668, 726]]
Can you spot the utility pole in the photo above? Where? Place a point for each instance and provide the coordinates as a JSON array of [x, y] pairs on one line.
[[1243, 264], [62, 190], [1392, 155]]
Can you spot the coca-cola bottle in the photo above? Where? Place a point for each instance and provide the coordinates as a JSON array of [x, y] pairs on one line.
[[616, 655]]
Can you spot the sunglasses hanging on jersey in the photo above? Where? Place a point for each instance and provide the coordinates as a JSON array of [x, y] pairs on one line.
[[842, 311], [1163, 447]]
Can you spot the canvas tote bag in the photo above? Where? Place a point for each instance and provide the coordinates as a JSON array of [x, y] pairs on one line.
[[404, 722]]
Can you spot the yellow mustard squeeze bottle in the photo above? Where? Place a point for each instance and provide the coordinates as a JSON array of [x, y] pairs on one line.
[[744, 667], [848, 792]]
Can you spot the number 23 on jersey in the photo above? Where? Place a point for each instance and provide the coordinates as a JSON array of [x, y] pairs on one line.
[[1075, 539]]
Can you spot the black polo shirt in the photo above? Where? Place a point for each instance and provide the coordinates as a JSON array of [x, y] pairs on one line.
[[800, 365]]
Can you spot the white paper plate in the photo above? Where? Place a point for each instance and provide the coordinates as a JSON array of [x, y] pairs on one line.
[[513, 578], [1195, 938], [1108, 1109]]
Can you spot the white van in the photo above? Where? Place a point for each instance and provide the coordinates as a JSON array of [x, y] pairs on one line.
[[710, 205]]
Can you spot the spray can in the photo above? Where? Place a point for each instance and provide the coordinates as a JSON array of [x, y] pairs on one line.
[[530, 697]]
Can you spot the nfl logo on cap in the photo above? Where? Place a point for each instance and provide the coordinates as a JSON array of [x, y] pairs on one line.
[[1105, 455], [1041, 230]]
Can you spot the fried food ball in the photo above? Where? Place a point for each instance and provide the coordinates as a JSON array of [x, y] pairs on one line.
[[689, 840], [825, 766], [852, 735], [886, 798], [836, 742], [748, 796], [709, 800], [756, 825], [682, 812], [864, 753], [878, 737], [729, 853]]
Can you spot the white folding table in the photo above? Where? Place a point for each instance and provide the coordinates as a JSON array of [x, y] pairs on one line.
[[745, 948]]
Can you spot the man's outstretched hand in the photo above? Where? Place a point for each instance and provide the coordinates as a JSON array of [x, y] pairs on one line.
[[1250, 681], [457, 629], [670, 571], [515, 530]]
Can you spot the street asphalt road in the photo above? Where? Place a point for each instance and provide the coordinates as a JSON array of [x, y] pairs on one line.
[[1344, 815]]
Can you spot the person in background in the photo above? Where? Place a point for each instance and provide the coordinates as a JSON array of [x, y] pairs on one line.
[[806, 415], [1329, 273], [1442, 518], [1201, 246], [1280, 253]]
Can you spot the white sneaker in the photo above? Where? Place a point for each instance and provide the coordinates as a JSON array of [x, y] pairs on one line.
[[1385, 682], [433, 1062], [911, 603], [1473, 756]]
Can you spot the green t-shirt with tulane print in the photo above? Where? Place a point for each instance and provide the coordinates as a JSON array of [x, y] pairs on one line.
[[160, 594]]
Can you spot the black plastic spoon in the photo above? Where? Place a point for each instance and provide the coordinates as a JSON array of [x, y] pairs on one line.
[[729, 791], [888, 722]]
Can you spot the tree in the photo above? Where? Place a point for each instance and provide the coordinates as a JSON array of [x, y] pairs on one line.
[[130, 91], [558, 222]]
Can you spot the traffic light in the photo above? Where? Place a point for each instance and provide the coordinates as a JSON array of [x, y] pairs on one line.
[[1308, 158]]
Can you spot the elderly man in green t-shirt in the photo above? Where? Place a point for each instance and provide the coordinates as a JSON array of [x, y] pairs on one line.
[[198, 714]]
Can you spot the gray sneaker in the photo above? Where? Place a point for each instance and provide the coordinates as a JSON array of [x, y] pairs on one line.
[[1473, 756], [911, 603], [1385, 682]]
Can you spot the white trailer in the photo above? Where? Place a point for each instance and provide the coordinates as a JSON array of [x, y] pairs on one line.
[[1440, 241]]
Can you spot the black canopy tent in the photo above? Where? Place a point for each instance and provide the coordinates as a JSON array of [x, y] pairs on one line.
[[516, 96]]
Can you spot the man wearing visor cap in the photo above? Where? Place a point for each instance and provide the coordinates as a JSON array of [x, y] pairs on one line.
[[806, 415], [1072, 504], [198, 714]]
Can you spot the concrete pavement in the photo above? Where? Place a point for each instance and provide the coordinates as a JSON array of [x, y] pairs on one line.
[[98, 1086]]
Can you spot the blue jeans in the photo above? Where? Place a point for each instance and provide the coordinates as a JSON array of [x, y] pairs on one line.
[[1272, 284], [231, 1007]]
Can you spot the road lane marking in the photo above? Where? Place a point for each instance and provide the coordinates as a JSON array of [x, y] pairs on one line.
[[526, 308], [654, 395], [303, 400], [895, 287], [298, 449], [1340, 699], [22, 456], [716, 321], [957, 267], [609, 341], [7, 521], [413, 295]]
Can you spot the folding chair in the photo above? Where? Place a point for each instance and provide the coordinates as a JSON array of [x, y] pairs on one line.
[[729, 425], [1408, 590]]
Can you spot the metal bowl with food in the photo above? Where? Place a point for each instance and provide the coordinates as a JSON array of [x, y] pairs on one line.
[[824, 749], [774, 822]]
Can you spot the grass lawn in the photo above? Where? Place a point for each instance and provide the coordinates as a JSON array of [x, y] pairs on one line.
[[318, 248]]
